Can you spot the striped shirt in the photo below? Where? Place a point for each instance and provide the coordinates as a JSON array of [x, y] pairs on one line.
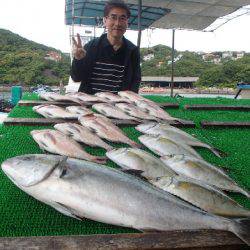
[[108, 70], [107, 77]]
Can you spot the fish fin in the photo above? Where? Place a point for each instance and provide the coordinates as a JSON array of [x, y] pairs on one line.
[[67, 211], [218, 152], [64, 171], [241, 227], [153, 118], [43, 145], [92, 130], [49, 114], [74, 128], [50, 137], [181, 121], [244, 192], [135, 172], [63, 167], [127, 110], [104, 112], [167, 122]]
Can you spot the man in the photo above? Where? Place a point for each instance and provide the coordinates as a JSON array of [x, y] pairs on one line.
[[111, 62]]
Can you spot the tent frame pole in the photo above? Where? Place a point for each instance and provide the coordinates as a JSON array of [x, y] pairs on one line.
[[172, 69], [139, 23]]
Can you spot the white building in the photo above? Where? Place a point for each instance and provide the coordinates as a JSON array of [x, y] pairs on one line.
[[240, 54], [227, 54], [148, 57], [217, 60]]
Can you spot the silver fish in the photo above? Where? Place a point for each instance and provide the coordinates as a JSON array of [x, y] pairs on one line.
[[139, 160], [111, 97], [154, 110], [82, 134], [109, 110], [141, 163], [203, 171], [79, 110], [175, 134], [52, 96], [53, 111], [133, 110], [56, 142], [83, 97], [163, 146], [105, 129], [132, 96], [83, 189], [201, 195]]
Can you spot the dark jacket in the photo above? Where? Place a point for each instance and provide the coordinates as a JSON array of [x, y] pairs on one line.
[[81, 69]]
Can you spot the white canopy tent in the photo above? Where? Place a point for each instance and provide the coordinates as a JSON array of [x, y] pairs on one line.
[[203, 15], [194, 14]]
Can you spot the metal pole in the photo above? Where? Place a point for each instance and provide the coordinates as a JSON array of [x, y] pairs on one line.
[[172, 72], [139, 23], [71, 29], [73, 17]]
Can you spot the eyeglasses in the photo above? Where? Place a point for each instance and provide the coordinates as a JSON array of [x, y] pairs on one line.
[[114, 17]]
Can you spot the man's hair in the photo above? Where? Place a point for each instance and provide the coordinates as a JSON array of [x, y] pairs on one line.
[[116, 4]]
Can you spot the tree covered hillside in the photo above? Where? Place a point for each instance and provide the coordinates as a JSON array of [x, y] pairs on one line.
[[228, 71], [23, 61], [186, 63]]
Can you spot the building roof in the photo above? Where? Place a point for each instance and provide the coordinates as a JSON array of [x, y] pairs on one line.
[[168, 79], [166, 14]]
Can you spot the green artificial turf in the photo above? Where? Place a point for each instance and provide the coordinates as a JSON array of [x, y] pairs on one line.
[[22, 215]]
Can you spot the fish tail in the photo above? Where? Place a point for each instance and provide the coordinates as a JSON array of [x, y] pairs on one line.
[[181, 121], [218, 152], [246, 193], [241, 227]]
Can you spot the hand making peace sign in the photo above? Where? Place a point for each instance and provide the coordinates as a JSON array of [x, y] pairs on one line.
[[78, 51]]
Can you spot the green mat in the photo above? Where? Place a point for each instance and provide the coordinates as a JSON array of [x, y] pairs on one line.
[[22, 215]]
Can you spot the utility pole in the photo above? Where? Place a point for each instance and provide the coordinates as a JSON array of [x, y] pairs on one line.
[[172, 72]]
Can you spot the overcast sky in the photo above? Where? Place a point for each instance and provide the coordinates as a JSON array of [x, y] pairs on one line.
[[42, 21]]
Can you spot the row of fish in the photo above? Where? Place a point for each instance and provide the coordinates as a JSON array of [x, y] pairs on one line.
[[123, 96], [93, 129], [127, 106], [187, 177], [162, 139], [83, 189]]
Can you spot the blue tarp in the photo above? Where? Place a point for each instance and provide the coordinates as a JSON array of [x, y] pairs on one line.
[[92, 11]]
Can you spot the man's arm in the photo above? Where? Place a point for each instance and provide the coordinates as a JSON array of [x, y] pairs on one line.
[[136, 79], [77, 69]]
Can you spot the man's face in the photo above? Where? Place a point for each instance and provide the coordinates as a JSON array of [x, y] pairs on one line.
[[116, 22]]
